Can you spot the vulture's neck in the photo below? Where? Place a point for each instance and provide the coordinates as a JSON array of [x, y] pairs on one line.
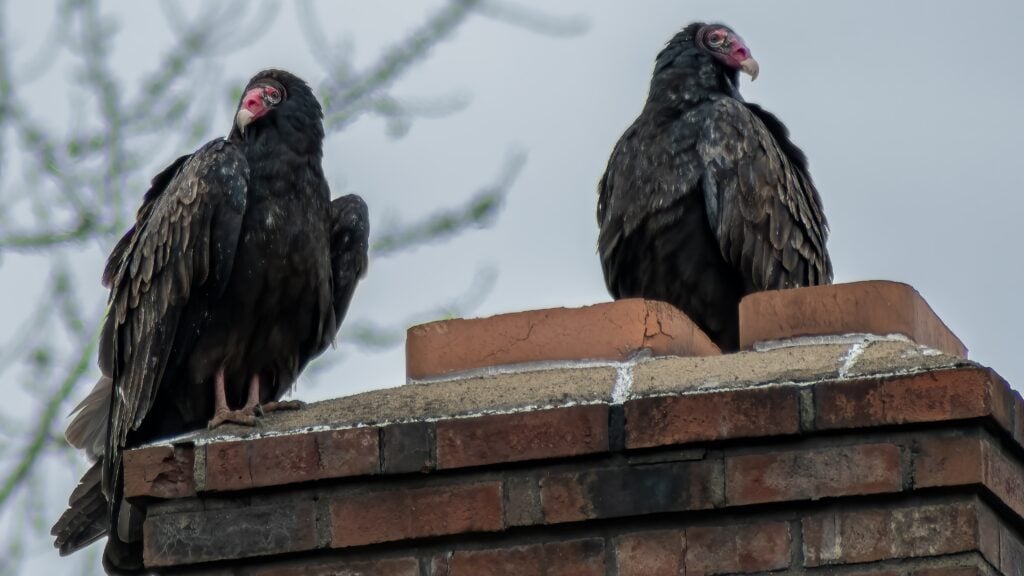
[[690, 79]]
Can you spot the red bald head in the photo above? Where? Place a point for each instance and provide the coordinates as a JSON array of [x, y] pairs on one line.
[[256, 103], [726, 46]]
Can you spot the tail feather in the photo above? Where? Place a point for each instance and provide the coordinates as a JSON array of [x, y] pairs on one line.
[[85, 520], [88, 429]]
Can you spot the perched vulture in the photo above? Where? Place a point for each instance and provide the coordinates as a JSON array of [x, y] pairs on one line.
[[238, 271], [705, 198]]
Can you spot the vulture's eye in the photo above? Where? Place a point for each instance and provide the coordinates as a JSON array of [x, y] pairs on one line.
[[272, 94], [716, 39]]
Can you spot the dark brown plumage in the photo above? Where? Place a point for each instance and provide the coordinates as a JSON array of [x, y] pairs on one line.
[[705, 198], [238, 271]]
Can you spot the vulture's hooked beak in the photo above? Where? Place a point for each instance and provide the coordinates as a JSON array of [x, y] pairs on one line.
[[254, 105], [750, 67], [243, 118]]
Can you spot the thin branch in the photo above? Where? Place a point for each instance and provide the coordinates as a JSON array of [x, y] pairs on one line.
[[45, 422], [534, 20], [346, 102], [478, 211]]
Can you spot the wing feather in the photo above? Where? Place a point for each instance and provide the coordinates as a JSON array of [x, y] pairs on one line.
[[161, 262], [759, 196]]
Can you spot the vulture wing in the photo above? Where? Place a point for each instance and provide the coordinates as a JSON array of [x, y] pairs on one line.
[[761, 203], [182, 245], [183, 242], [350, 232]]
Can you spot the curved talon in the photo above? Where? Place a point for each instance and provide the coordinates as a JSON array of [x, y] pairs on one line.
[[283, 405], [244, 417]]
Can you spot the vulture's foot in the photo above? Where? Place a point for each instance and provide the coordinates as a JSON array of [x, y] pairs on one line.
[[280, 405], [245, 416]]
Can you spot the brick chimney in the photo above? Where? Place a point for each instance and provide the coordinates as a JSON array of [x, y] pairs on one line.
[[851, 437]]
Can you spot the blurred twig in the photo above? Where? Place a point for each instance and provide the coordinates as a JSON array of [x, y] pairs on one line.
[[479, 210], [39, 436]]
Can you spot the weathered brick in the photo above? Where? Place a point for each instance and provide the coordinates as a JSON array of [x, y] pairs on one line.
[[737, 549], [407, 448], [653, 553], [873, 307], [495, 562], [575, 558], [936, 396], [948, 571], [386, 516], [720, 415], [856, 535], [1018, 418], [501, 438], [408, 566], [159, 471], [611, 331], [226, 467], [571, 558], [1011, 556], [952, 461], [812, 474], [289, 459], [942, 460], [350, 452], [615, 492], [522, 501], [277, 526]]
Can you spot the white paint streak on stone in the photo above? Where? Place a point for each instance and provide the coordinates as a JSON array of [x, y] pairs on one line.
[[851, 356], [852, 338], [623, 382]]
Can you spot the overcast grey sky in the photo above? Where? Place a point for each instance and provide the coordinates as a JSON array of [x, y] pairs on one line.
[[908, 111]]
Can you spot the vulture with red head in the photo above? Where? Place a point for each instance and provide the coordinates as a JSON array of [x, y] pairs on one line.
[[705, 198], [238, 271]]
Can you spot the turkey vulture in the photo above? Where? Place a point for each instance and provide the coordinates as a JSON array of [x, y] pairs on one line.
[[705, 199], [238, 271]]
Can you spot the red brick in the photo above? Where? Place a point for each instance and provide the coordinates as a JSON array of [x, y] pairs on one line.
[[575, 558], [500, 562], [851, 536], [159, 471], [572, 558], [951, 461], [630, 491], [609, 331], [737, 549], [280, 460], [812, 474], [555, 433], [936, 396], [721, 415], [316, 567], [948, 461], [654, 553], [386, 516], [350, 452], [872, 307]]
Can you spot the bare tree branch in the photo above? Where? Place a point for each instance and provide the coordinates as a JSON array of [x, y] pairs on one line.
[[38, 438], [477, 211]]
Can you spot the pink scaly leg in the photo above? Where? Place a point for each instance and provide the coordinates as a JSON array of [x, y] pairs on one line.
[[223, 414], [247, 414]]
